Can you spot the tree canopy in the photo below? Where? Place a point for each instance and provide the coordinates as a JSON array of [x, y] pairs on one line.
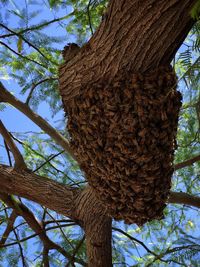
[[39, 229]]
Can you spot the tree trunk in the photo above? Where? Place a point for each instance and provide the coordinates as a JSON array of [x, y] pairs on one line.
[[134, 36], [98, 228]]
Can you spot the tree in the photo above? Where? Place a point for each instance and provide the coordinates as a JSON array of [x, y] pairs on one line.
[[134, 40]]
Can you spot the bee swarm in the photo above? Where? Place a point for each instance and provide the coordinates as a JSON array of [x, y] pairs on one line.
[[123, 134]]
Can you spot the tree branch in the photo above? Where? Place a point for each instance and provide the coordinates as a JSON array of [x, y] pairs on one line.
[[186, 163], [19, 161], [5, 96], [42, 190], [36, 226], [25, 40], [135, 240], [24, 57], [184, 199], [38, 26], [9, 228], [36, 84]]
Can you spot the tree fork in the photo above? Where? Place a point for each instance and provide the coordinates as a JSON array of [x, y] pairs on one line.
[[135, 36]]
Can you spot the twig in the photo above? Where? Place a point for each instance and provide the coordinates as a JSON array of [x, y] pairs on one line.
[[37, 27], [48, 160], [20, 250], [135, 240], [58, 221], [24, 57], [75, 251], [8, 153], [19, 161], [26, 41], [33, 235], [35, 85], [60, 228], [17, 238], [189, 69]]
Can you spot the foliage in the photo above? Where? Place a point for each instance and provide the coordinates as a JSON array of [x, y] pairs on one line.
[[30, 55]]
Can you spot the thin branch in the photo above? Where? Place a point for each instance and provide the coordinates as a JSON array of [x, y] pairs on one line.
[[24, 57], [20, 250], [37, 27], [17, 238], [60, 228], [57, 221], [6, 96], [172, 250], [36, 226], [8, 153], [189, 69], [35, 85], [184, 199], [37, 153], [89, 17], [32, 236], [186, 163], [9, 228], [48, 160], [26, 41], [19, 161], [135, 240], [75, 251]]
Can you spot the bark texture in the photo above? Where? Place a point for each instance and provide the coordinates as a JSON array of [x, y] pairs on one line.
[[97, 226], [134, 36], [44, 191], [82, 206]]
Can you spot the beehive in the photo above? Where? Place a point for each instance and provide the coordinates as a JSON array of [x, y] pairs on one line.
[[123, 134]]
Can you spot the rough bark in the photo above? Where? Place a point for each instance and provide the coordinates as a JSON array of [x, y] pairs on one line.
[[134, 36], [44, 191], [97, 226], [64, 199], [81, 206], [184, 198]]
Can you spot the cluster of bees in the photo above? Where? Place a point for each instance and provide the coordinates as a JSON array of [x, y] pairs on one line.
[[123, 134]]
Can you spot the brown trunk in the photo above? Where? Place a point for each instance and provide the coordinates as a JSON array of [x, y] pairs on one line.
[[98, 229], [135, 36]]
